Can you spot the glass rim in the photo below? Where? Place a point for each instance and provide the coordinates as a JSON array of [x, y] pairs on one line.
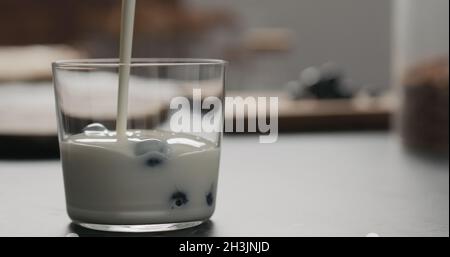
[[135, 62]]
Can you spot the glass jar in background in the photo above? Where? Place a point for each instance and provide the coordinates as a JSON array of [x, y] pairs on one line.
[[420, 73]]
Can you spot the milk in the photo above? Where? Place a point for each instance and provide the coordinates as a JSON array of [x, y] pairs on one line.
[[126, 45], [118, 182]]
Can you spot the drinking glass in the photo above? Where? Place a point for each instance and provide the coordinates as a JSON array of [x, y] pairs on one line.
[[162, 173]]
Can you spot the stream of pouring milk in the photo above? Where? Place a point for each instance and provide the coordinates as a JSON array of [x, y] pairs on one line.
[[126, 45]]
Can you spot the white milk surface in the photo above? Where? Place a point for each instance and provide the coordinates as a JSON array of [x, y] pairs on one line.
[[152, 177]]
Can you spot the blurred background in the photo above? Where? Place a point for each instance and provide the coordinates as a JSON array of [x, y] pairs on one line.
[[336, 65], [363, 112]]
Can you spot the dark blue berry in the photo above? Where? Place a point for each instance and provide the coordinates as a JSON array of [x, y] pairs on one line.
[[155, 152], [179, 199], [155, 160], [209, 199]]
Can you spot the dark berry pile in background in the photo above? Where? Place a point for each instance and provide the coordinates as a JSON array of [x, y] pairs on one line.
[[425, 114]]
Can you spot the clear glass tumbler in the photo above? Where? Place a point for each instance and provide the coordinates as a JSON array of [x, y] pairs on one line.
[[161, 174]]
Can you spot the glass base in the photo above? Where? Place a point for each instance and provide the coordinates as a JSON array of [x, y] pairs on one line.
[[141, 228]]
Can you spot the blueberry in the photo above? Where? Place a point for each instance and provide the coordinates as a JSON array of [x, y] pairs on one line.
[[209, 199], [155, 158], [179, 199], [155, 152], [95, 129]]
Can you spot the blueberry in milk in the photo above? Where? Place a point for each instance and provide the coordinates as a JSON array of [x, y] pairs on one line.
[[155, 159], [178, 199], [209, 199], [154, 151]]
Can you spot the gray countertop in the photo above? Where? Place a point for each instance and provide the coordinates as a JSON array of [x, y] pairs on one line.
[[324, 184]]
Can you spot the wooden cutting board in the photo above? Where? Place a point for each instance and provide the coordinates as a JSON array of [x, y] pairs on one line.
[[361, 113], [28, 120], [28, 126]]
